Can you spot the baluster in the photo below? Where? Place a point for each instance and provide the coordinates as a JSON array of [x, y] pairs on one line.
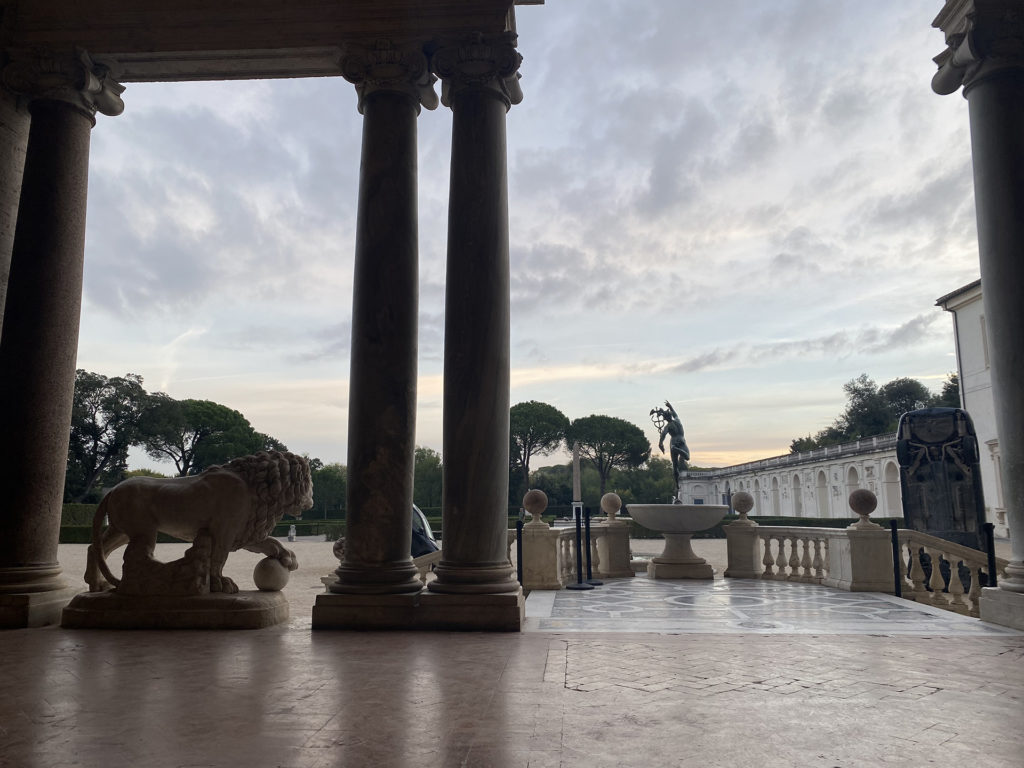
[[956, 588], [794, 560], [805, 562], [975, 592], [905, 585], [818, 562], [780, 559], [936, 582], [917, 575], [768, 560], [595, 559]]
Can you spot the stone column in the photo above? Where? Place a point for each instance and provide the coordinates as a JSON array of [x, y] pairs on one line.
[[480, 83], [14, 121], [391, 83], [986, 56], [39, 345]]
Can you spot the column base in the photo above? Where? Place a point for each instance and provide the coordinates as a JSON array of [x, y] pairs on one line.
[[109, 610], [20, 610], [485, 579], [1000, 606], [496, 612], [397, 579]]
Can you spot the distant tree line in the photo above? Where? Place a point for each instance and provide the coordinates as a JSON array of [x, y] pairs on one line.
[[876, 410]]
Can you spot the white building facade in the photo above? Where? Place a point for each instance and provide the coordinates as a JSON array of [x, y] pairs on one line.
[[809, 484], [973, 368]]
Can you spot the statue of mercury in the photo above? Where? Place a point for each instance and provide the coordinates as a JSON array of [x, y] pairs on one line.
[[671, 425]]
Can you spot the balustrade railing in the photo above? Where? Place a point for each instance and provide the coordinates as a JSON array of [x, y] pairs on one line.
[[795, 553], [950, 577]]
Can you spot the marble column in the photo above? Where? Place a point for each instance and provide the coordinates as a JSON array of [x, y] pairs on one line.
[[14, 121], [480, 83], [39, 345], [986, 56], [391, 83]]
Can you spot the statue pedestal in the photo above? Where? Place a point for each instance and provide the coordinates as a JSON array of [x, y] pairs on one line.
[[109, 610]]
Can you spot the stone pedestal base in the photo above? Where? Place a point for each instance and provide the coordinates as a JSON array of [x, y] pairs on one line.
[[109, 610], [502, 612], [1000, 606], [700, 570], [613, 551], [861, 561], [34, 609], [679, 561]]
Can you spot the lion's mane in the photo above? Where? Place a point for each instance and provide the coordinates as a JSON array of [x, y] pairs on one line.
[[279, 482]]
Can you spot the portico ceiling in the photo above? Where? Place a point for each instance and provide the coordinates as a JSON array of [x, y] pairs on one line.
[[228, 39]]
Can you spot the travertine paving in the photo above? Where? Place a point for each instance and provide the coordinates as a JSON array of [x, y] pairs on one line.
[[725, 606], [287, 697]]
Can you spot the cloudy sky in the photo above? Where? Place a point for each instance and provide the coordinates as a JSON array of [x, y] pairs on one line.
[[737, 206]]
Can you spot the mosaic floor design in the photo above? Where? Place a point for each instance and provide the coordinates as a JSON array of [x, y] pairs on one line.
[[730, 606]]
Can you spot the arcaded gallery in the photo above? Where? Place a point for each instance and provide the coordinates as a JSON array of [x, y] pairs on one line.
[[174, 664]]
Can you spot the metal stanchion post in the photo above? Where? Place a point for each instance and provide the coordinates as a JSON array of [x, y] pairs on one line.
[[590, 576], [990, 548], [897, 579], [580, 584], [519, 551]]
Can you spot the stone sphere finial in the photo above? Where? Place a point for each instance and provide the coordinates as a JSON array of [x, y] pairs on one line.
[[742, 502], [535, 502], [611, 503], [863, 502]]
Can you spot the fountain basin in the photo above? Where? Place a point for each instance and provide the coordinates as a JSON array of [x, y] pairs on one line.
[[677, 523]]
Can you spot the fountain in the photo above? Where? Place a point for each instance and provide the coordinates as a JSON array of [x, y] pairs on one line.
[[677, 523]]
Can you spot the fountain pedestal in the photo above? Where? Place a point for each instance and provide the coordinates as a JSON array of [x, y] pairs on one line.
[[679, 561], [677, 523]]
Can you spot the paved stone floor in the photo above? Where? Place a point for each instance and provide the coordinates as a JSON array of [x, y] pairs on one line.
[[817, 693]]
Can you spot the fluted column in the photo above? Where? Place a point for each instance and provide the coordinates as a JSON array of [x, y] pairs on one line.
[[39, 345], [986, 56], [480, 83], [391, 83]]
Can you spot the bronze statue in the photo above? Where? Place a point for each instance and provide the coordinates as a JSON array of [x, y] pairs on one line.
[[668, 422]]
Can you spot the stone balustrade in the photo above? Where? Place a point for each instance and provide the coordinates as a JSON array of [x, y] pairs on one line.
[[549, 554], [950, 564]]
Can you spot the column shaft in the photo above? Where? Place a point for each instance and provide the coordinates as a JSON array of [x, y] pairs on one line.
[[997, 142], [382, 383], [39, 345], [14, 122], [476, 354]]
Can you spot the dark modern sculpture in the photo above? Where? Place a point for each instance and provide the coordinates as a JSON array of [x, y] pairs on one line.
[[940, 476]]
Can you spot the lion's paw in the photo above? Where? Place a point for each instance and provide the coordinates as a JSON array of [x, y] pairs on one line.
[[223, 584], [289, 560]]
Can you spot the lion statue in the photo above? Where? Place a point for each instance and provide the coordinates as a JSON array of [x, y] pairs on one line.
[[225, 508]]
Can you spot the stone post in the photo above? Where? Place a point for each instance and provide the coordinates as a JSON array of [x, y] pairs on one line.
[[613, 545], [743, 544], [540, 546], [39, 345], [480, 83], [391, 83], [861, 559], [985, 55]]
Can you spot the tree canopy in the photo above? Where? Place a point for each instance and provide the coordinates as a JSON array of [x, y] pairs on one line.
[[196, 434], [875, 410], [426, 488], [105, 416], [609, 443], [535, 429]]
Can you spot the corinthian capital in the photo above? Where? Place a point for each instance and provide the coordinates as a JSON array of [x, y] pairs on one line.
[[482, 64], [73, 78], [386, 67], [984, 37]]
